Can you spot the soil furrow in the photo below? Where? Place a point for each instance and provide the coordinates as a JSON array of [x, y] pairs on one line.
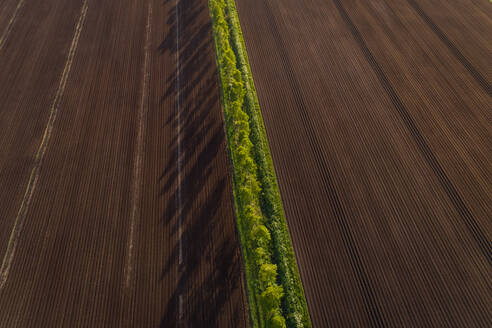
[[6, 32], [100, 248], [38, 160], [478, 235], [456, 52], [401, 177], [372, 307]]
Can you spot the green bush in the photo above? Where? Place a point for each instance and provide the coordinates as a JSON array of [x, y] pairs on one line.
[[264, 293], [262, 226], [294, 302]]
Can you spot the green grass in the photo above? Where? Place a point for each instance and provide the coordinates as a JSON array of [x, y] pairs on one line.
[[275, 300]]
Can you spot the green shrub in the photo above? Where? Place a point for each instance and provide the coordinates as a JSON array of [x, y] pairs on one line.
[[294, 303], [263, 230], [255, 237]]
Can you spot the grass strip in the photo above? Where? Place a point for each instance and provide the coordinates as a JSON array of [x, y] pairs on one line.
[[266, 196]]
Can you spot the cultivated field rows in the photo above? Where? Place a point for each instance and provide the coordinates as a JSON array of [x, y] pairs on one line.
[[129, 219], [379, 127], [116, 199]]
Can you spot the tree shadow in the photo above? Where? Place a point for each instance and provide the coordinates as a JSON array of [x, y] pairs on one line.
[[211, 268]]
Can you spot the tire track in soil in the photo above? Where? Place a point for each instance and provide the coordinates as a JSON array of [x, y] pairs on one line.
[[371, 305], [38, 161], [7, 30], [139, 153], [74, 245], [137, 178], [484, 84], [447, 185]]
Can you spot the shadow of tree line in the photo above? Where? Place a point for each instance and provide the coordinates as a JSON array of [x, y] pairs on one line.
[[210, 270]]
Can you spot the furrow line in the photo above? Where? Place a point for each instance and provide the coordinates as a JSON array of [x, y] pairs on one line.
[[139, 153], [39, 157], [456, 52], [7, 30], [458, 203], [179, 200], [371, 304]]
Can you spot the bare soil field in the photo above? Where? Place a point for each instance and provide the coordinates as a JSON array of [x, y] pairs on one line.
[[116, 195], [378, 115]]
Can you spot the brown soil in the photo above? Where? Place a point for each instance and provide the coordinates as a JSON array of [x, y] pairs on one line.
[[378, 116], [112, 159]]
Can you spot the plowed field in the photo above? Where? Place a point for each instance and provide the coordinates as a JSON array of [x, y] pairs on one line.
[[378, 115], [115, 200]]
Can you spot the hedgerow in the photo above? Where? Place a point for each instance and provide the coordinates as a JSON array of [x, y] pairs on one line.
[[262, 226], [261, 274], [294, 302]]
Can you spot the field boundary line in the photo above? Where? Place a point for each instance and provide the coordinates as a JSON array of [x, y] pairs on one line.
[[12, 20], [257, 199], [263, 290], [39, 157], [474, 229], [294, 304]]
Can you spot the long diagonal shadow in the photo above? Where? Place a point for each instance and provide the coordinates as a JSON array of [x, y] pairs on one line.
[[210, 271]]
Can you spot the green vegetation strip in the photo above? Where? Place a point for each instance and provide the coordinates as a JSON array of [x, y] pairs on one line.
[[275, 291]]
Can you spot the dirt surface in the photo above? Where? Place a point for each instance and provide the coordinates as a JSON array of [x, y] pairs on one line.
[[116, 194], [378, 115]]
